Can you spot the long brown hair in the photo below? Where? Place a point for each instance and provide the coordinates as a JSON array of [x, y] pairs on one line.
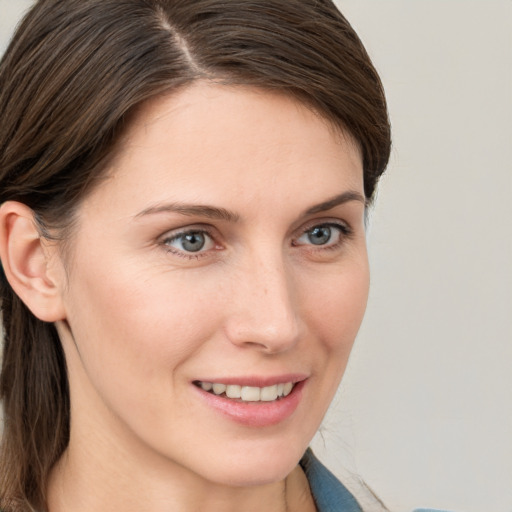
[[73, 74]]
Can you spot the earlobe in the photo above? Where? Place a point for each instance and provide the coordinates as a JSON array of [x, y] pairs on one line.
[[29, 264]]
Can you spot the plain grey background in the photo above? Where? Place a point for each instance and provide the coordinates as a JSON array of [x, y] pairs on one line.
[[424, 415]]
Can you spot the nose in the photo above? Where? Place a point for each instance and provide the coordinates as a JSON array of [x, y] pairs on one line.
[[264, 311]]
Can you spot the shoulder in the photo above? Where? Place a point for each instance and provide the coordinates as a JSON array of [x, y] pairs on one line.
[[329, 493]]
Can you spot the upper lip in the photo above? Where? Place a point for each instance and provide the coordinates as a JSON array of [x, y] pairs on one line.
[[256, 381]]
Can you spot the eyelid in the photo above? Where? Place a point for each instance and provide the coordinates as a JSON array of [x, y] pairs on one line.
[[176, 232], [344, 226]]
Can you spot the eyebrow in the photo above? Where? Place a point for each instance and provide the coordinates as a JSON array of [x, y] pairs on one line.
[[191, 210], [214, 212], [345, 197]]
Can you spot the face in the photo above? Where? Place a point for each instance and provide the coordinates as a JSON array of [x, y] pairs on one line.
[[224, 253]]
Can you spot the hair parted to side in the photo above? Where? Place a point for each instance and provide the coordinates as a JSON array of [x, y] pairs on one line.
[[72, 76]]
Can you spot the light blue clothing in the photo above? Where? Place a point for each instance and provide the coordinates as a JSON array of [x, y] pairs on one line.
[[329, 493]]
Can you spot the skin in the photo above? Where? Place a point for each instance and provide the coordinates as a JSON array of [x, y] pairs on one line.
[[142, 318]]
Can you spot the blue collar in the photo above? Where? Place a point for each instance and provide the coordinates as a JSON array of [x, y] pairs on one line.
[[329, 493]]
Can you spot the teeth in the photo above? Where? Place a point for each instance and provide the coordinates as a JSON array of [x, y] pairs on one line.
[[233, 391], [207, 386], [249, 393], [218, 389], [287, 388], [268, 394]]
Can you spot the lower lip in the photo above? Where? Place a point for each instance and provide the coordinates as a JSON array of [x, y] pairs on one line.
[[255, 414]]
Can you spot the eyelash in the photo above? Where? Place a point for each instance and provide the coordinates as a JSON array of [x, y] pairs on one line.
[[345, 232]]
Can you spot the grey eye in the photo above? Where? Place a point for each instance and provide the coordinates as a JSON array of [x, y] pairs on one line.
[[319, 235], [191, 241], [327, 235]]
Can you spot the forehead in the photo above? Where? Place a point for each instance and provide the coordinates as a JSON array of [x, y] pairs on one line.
[[206, 107], [216, 140]]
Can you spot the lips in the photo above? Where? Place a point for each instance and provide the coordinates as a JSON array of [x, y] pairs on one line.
[[244, 402]]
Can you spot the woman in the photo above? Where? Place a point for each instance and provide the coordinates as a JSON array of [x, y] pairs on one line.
[[183, 189]]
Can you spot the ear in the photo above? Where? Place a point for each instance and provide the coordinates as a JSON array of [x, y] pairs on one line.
[[32, 266]]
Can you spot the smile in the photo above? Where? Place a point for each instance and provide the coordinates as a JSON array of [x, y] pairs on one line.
[[243, 402], [247, 393]]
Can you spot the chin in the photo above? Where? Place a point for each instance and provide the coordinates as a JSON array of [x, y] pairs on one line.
[[255, 467]]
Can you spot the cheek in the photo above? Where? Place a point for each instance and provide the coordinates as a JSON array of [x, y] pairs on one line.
[[136, 326], [336, 309], [134, 338], [333, 307]]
